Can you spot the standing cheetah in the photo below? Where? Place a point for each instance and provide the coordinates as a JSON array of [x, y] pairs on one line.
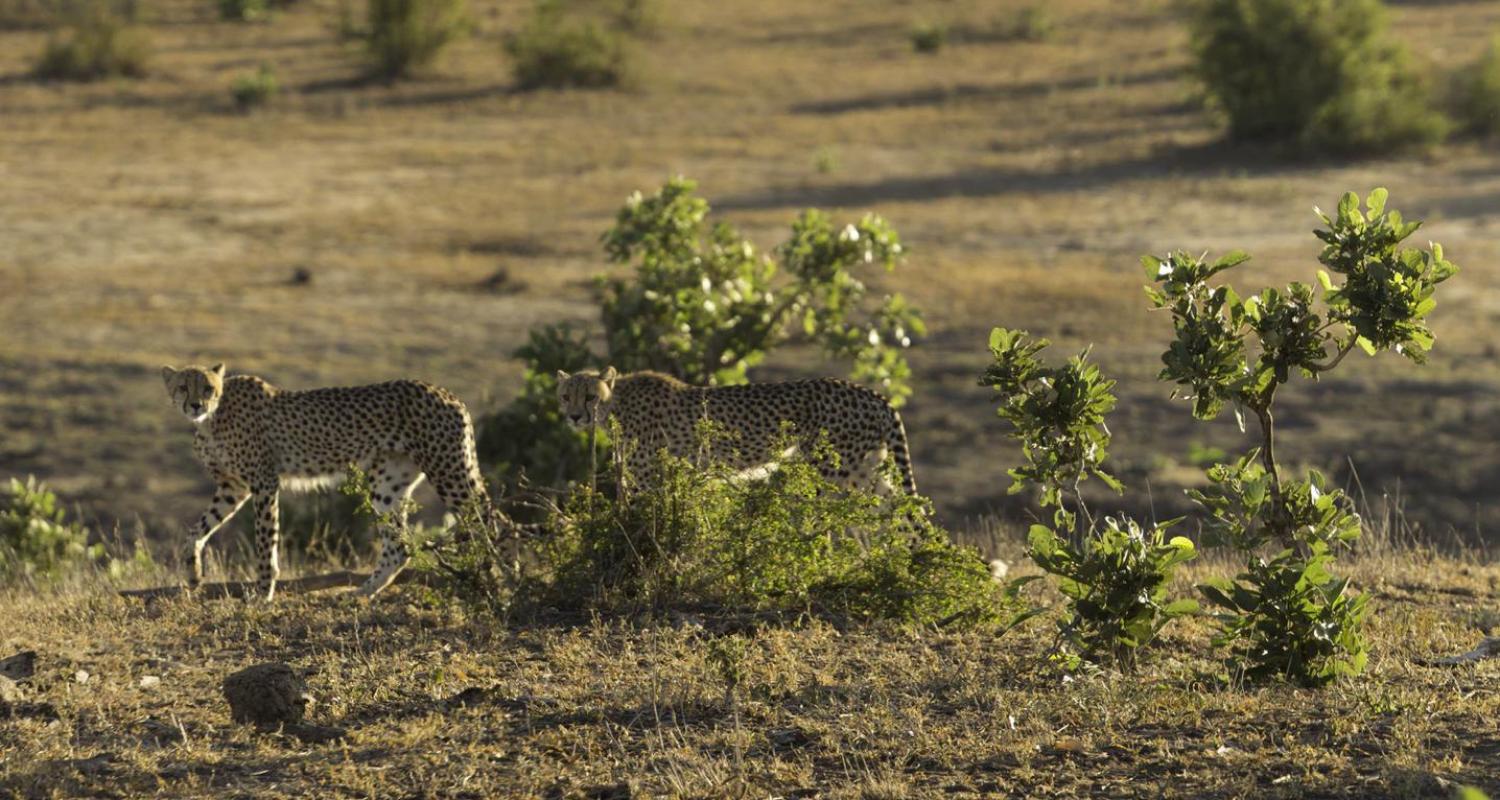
[[657, 411], [256, 440]]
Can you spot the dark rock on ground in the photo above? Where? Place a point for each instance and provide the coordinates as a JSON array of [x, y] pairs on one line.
[[267, 695], [20, 666]]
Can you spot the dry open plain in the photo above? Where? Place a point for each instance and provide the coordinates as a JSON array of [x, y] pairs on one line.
[[146, 222]]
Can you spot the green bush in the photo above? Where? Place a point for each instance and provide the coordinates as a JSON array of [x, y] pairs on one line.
[[704, 305], [36, 540], [256, 89], [405, 35], [96, 43], [1288, 615], [1476, 92], [559, 48], [695, 540], [928, 37], [1320, 73], [1115, 573]]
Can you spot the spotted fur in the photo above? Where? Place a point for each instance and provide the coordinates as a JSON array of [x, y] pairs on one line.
[[657, 411], [256, 440]]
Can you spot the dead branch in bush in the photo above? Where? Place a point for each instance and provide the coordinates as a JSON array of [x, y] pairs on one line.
[[311, 583]]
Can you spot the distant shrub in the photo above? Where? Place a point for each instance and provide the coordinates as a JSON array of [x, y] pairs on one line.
[[255, 89], [244, 10], [96, 43], [405, 35], [1319, 73], [560, 48], [36, 540], [1476, 91], [1031, 24], [928, 37]]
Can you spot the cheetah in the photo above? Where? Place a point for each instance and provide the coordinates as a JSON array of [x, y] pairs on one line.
[[657, 411], [256, 440]]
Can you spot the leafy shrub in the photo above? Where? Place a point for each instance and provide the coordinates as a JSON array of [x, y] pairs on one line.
[[704, 305], [928, 37], [405, 35], [559, 48], [244, 10], [255, 89], [1289, 616], [1115, 574], [791, 543], [36, 540], [1116, 585], [1316, 72], [1476, 92], [95, 44], [1031, 24]]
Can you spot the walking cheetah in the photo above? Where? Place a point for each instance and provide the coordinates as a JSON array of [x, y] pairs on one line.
[[256, 440], [657, 411]]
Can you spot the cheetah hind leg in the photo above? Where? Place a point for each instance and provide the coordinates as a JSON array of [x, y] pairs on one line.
[[391, 483]]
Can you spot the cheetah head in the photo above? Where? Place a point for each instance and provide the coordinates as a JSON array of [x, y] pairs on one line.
[[195, 391], [584, 396]]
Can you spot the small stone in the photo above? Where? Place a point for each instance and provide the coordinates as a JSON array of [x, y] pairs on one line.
[[82, 676], [267, 695], [150, 681]]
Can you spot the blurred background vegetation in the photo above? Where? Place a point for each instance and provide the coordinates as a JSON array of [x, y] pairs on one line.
[[340, 191]]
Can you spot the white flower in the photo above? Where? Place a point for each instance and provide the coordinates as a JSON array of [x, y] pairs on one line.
[[708, 305], [1164, 270], [874, 337], [850, 234], [707, 284]]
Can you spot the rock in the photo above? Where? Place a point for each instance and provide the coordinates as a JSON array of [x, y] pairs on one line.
[[82, 676], [150, 681], [20, 666], [267, 695]]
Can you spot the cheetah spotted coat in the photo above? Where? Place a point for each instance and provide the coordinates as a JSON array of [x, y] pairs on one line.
[[262, 439], [657, 411]]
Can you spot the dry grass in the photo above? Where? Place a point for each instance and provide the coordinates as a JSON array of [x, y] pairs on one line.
[[440, 705]]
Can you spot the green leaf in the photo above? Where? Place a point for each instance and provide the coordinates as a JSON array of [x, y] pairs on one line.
[[1177, 608]]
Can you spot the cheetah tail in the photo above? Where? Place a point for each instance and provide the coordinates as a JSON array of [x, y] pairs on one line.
[[902, 454]]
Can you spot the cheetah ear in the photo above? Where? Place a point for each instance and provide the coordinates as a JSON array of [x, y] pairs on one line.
[[609, 377], [167, 374], [562, 376], [217, 369]]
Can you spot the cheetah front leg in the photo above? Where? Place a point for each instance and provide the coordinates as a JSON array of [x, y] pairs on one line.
[[267, 539], [228, 498]]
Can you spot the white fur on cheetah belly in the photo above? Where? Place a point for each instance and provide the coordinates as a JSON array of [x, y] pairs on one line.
[[311, 483]]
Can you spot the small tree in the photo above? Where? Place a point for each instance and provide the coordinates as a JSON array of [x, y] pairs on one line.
[[1115, 573], [705, 305], [1289, 615]]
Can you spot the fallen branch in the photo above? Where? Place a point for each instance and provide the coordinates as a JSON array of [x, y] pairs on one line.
[[311, 583], [1489, 648]]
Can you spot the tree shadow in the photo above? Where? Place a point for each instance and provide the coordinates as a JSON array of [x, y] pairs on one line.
[[1209, 159]]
